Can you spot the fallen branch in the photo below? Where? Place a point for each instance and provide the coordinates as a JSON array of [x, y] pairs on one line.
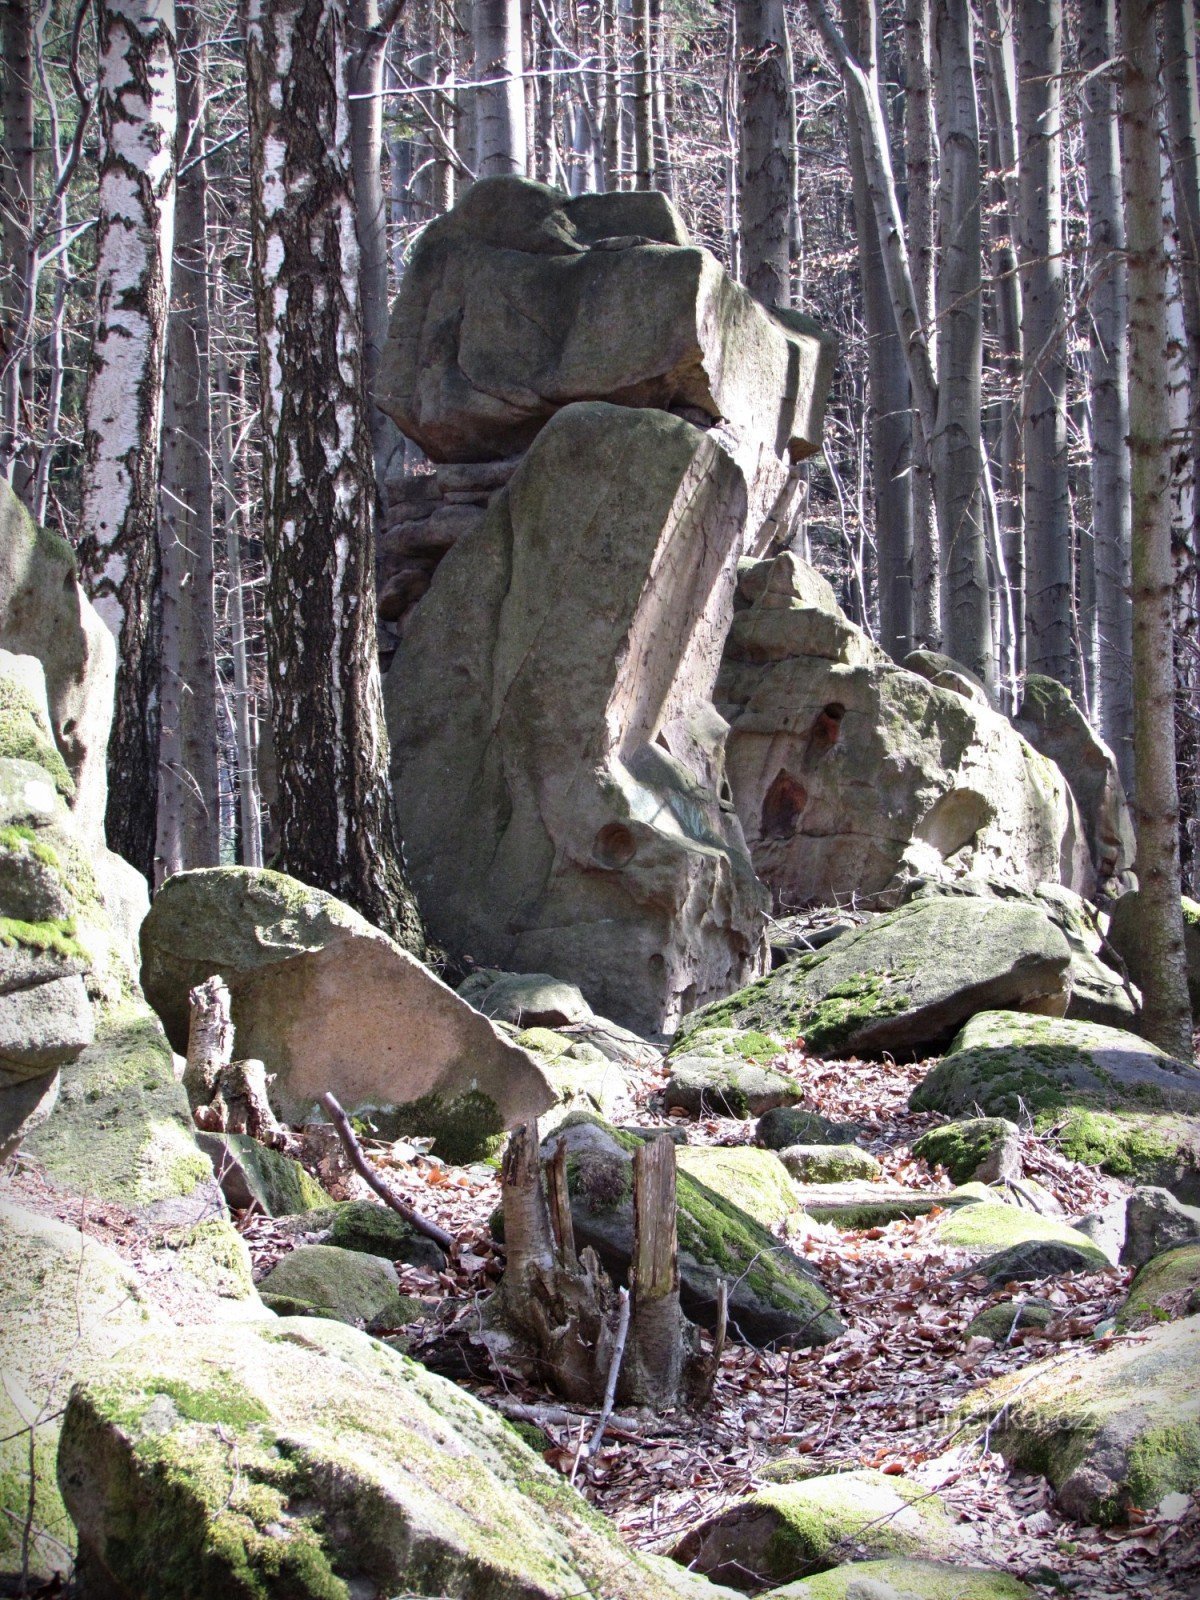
[[610, 1388], [384, 1190]]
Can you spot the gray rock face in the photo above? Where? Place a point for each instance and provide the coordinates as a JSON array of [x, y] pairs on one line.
[[1155, 1221], [520, 301], [556, 759], [849, 773], [789, 1125], [526, 999], [321, 1280], [890, 987], [328, 1002], [1055, 726], [1033, 1261]]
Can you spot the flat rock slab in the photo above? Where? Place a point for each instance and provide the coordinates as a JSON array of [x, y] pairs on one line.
[[905, 982], [301, 1457], [730, 1201], [1111, 1429], [520, 301], [330, 1003], [791, 1530], [863, 1204], [907, 1580], [829, 1163]]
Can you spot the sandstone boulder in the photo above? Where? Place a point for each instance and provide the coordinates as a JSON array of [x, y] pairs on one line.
[[986, 1148], [1155, 1221], [520, 301], [330, 1003], [323, 1280], [850, 774], [906, 981], [556, 759], [529, 999], [1055, 726], [1166, 1288]]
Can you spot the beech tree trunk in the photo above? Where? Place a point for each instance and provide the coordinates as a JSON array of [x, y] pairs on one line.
[[122, 414], [1049, 647], [1166, 1014], [919, 166], [500, 103], [958, 437], [767, 164], [17, 171], [188, 809], [336, 826], [1108, 304], [643, 96]]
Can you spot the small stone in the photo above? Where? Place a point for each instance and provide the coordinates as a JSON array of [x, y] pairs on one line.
[[1156, 1221], [998, 1323], [792, 1125], [829, 1163], [985, 1148], [715, 1086], [320, 1280]]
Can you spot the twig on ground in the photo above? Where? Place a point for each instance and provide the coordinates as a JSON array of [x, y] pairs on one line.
[[384, 1190]]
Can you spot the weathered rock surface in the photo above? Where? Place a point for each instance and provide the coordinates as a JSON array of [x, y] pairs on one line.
[[303, 1458], [890, 987], [987, 1148], [788, 1125], [1110, 1429], [322, 1280], [850, 773], [830, 1163], [520, 301], [1112, 1099], [791, 1530], [374, 1230], [528, 999], [328, 1002], [1124, 937], [1166, 1288], [946, 673], [1034, 1260], [1155, 1221], [251, 1174], [1000, 1323], [1055, 726], [553, 693], [730, 1201], [907, 1580], [724, 1073]]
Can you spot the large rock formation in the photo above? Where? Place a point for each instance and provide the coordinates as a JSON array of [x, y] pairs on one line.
[[850, 773]]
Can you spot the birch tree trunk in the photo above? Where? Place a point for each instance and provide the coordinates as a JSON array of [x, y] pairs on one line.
[[767, 164], [919, 164], [890, 416], [957, 453], [500, 101], [336, 826], [16, 237], [1049, 647], [188, 810], [1108, 305], [1166, 1015], [118, 548], [643, 96]]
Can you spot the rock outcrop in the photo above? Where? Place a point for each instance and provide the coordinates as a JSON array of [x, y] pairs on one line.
[[851, 774], [330, 1003]]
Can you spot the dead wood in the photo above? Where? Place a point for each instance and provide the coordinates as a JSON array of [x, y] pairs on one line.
[[381, 1187]]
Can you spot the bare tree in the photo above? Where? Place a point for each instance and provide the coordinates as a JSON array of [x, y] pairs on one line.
[[767, 175], [919, 166], [336, 827], [17, 174], [1166, 1014], [118, 548], [500, 101]]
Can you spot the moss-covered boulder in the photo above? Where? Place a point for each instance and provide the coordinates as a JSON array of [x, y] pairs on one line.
[[994, 1229], [999, 1323], [1033, 1260], [251, 1174], [303, 1459], [1111, 1429], [730, 1201], [865, 1204], [321, 1280], [330, 1003], [65, 1300], [581, 1075], [375, 1230], [906, 981], [1166, 1288], [716, 1078], [987, 1148], [907, 1580], [1109, 1098], [830, 1163], [789, 1531], [788, 1125]]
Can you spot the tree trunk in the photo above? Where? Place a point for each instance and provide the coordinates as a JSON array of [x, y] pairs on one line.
[[118, 549], [658, 1344], [664, 178], [336, 826], [890, 415], [957, 452], [643, 96], [1047, 534], [610, 65], [1166, 1015], [17, 173], [919, 166], [188, 808], [1108, 305], [767, 175], [500, 101]]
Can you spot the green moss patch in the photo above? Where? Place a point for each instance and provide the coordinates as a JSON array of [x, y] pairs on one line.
[[55, 937], [992, 1227], [464, 1128], [961, 1147], [914, 1580], [25, 735], [1167, 1287]]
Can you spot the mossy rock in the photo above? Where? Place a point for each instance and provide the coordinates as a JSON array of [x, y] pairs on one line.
[[214, 1255], [789, 1531], [860, 1204], [729, 1200], [725, 1086], [905, 982], [788, 1125], [377, 1231], [1125, 939], [907, 1580], [25, 731], [302, 1459], [320, 1280], [1145, 1148], [727, 1044], [1111, 1429], [829, 1163], [993, 1228], [464, 1128], [1166, 1288], [998, 1323], [65, 1301], [250, 1173], [963, 1147]]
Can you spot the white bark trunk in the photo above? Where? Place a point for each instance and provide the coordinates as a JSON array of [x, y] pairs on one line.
[[500, 106]]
